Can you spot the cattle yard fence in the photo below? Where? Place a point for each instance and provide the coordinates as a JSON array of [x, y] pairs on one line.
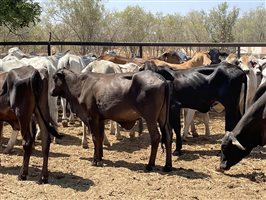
[[140, 45]]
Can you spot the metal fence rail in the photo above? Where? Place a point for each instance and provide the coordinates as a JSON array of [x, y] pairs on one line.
[[136, 44]]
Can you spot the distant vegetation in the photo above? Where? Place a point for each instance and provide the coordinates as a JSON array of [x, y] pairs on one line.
[[83, 20]]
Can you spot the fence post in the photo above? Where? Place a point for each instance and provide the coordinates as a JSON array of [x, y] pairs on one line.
[[140, 52], [238, 51], [49, 45]]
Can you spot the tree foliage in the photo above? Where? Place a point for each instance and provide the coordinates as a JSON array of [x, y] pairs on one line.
[[219, 23], [87, 20], [251, 27], [16, 14]]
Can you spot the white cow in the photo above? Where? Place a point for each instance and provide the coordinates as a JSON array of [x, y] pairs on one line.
[[247, 63]]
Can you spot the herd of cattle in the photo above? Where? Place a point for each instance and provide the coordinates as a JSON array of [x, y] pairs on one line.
[[124, 90]]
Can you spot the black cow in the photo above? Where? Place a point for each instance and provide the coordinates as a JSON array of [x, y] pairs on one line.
[[123, 98], [216, 56], [23, 93], [248, 133], [199, 88]]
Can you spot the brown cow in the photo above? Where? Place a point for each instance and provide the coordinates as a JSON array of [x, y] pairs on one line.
[[169, 57], [23, 94], [199, 59], [123, 98]]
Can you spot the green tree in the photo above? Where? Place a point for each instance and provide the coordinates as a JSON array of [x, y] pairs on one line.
[[76, 19], [220, 22], [15, 14], [251, 26], [195, 31]]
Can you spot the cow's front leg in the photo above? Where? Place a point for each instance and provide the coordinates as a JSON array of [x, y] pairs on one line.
[[11, 142], [206, 120], [64, 116], [188, 120]]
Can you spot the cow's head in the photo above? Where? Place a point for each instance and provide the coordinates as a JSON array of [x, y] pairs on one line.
[[232, 151], [170, 57], [248, 63], [58, 83], [214, 56]]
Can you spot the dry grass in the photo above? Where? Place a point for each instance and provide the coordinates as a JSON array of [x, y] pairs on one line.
[[123, 176]]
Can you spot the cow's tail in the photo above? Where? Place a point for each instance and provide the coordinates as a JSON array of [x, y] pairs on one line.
[[166, 104], [36, 85]]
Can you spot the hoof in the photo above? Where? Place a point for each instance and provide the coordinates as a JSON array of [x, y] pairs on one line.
[[119, 137], [167, 168], [22, 177], [7, 151], [107, 144], [177, 153], [64, 123], [218, 169], [195, 135], [132, 136], [85, 146], [100, 163], [97, 163], [71, 122], [94, 163], [57, 141], [184, 139], [43, 181], [148, 168]]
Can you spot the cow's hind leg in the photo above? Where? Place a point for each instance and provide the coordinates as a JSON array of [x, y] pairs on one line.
[[167, 140], [27, 147], [1, 134], [97, 129], [46, 141], [155, 139], [176, 125]]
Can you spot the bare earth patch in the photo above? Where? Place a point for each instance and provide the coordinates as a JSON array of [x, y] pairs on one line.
[[123, 175]]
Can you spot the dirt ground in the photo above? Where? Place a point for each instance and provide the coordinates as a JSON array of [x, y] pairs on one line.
[[123, 175]]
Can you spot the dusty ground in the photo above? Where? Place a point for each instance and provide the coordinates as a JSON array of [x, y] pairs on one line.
[[123, 176]]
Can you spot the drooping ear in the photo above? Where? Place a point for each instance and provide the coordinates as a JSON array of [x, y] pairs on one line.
[[61, 74], [264, 113], [236, 142]]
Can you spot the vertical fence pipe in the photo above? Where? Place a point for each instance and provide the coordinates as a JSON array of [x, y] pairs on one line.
[[238, 51], [140, 52]]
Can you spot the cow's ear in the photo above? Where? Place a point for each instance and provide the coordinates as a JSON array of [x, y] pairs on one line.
[[264, 113], [61, 75]]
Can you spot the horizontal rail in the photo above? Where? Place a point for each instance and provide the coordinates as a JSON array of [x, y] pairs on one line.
[[138, 44], [190, 44]]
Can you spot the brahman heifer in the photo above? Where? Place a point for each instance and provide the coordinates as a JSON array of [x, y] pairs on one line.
[[46, 69], [124, 98], [76, 64], [249, 132], [199, 88], [106, 67], [23, 93]]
